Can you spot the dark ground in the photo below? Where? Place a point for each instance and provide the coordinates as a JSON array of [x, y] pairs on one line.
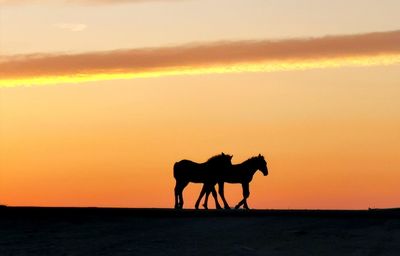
[[105, 231]]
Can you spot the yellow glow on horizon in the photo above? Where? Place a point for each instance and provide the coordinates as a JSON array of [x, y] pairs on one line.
[[267, 66]]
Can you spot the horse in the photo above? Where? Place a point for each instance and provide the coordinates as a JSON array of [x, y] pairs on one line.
[[208, 173], [238, 173]]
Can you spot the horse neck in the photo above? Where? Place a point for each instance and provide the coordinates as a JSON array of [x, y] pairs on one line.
[[248, 167]]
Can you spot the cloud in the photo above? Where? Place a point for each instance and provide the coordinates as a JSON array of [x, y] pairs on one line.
[[216, 57], [115, 1], [74, 27], [83, 2]]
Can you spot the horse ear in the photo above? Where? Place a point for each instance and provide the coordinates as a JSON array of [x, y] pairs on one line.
[[230, 156], [222, 153], [259, 155]]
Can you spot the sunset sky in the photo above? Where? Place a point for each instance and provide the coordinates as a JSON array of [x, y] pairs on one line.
[[99, 98]]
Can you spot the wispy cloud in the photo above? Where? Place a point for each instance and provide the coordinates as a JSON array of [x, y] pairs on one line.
[[83, 2], [228, 56], [74, 27], [115, 1]]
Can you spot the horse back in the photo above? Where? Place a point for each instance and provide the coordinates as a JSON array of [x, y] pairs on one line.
[[190, 171], [183, 166]]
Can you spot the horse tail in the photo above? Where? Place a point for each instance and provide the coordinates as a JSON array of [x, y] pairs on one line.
[[176, 169]]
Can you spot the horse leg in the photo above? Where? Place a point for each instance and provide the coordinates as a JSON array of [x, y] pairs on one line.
[[246, 193], [203, 191], [221, 193], [245, 206], [239, 204], [214, 193], [180, 193], [205, 203], [176, 196], [208, 190]]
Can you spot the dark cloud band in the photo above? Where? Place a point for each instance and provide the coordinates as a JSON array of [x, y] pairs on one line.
[[200, 55]]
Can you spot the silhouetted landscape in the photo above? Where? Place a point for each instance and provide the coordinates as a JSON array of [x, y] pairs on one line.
[[242, 118], [120, 231]]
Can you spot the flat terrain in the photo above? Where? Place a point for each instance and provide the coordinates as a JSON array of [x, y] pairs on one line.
[[107, 231]]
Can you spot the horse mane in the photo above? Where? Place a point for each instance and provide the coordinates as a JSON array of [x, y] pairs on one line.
[[216, 157], [220, 159], [250, 159]]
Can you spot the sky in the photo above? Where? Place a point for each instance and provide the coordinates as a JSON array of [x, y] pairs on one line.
[[98, 100]]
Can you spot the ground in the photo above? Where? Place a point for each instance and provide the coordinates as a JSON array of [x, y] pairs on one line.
[[105, 231]]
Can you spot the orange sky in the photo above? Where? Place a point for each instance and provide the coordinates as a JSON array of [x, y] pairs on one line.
[[328, 144], [329, 130]]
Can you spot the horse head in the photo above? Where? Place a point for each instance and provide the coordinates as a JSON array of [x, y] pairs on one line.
[[262, 164]]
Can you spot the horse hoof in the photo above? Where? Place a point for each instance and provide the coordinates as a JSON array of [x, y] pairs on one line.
[[218, 207], [227, 208], [237, 207]]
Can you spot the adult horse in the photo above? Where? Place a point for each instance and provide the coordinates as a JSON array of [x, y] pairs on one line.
[[208, 173], [239, 173]]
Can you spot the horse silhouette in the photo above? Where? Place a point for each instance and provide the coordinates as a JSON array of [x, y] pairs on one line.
[[238, 173], [208, 173]]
